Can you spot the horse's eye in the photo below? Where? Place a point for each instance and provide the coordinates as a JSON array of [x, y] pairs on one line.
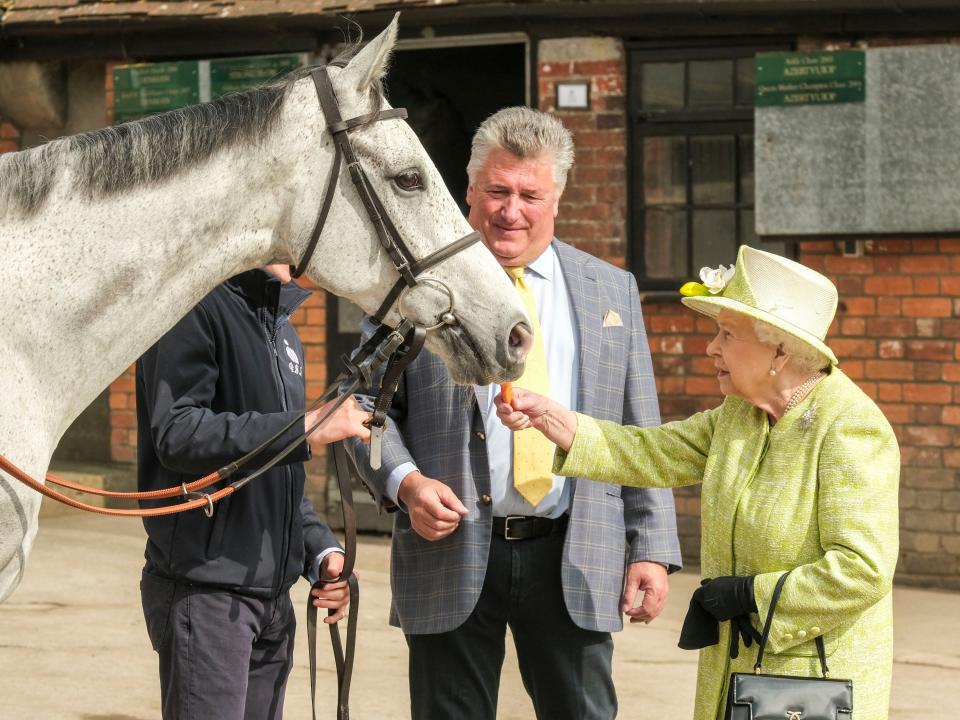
[[409, 180]]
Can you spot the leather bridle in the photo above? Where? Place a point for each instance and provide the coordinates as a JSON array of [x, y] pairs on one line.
[[406, 265], [395, 346]]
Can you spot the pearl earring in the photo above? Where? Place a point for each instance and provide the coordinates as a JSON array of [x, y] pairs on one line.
[[773, 372]]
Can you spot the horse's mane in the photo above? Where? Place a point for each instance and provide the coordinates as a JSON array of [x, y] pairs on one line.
[[114, 159]]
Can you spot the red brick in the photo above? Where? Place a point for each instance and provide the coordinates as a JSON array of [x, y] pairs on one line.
[[118, 401], [123, 419], [889, 370], [950, 284], [930, 371], [859, 306], [123, 454], [671, 324], [927, 393], [951, 458], [891, 349], [886, 263], [696, 345], [951, 372], [840, 265], [890, 327], [598, 67], [888, 306], [927, 285], [817, 246], [845, 348], [931, 435], [928, 414], [926, 265], [9, 146], [672, 344], [849, 285], [930, 349], [855, 371], [951, 415], [898, 414], [888, 245], [888, 285], [599, 138], [928, 327], [8, 131], [889, 392], [554, 69], [950, 245], [927, 307], [853, 326]]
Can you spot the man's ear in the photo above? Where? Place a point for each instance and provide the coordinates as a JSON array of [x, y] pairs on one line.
[[370, 64]]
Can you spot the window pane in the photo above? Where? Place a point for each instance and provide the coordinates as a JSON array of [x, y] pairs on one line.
[[714, 238], [665, 243], [712, 161], [746, 169], [662, 86], [664, 170], [745, 82], [711, 84]]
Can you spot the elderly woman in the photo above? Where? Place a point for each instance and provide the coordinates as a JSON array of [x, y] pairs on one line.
[[800, 471]]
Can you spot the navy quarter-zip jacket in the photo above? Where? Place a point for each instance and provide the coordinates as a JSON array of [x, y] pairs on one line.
[[224, 379]]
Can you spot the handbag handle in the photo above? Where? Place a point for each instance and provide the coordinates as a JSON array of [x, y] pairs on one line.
[[769, 622]]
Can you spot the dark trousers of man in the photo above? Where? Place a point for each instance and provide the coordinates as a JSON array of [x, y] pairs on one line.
[[565, 669], [222, 655]]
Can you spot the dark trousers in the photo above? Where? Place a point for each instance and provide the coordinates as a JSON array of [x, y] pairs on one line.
[[222, 655], [565, 669]]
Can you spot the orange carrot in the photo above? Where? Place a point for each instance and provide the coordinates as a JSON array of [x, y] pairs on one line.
[[506, 392]]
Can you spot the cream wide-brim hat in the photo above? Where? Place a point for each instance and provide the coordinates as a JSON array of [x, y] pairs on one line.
[[780, 292]]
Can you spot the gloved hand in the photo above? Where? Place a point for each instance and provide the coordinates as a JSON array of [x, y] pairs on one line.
[[727, 597], [700, 628], [741, 627]]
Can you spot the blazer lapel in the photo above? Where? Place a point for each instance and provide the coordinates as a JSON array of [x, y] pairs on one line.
[[585, 300]]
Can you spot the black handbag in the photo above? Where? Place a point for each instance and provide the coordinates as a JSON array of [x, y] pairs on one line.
[[754, 696]]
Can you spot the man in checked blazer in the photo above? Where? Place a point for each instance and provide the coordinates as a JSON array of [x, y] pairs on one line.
[[470, 554]]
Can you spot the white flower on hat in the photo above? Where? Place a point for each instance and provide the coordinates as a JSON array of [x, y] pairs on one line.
[[716, 279]]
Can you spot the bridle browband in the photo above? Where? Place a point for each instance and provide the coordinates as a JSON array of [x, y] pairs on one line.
[[406, 265]]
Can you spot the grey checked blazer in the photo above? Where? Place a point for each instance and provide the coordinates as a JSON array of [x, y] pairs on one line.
[[438, 426]]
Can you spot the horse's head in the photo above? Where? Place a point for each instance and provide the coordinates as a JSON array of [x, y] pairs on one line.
[[490, 336]]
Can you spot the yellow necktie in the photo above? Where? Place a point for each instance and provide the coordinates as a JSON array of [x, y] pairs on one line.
[[532, 452]]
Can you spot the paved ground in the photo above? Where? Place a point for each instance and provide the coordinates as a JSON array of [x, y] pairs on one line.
[[73, 647]]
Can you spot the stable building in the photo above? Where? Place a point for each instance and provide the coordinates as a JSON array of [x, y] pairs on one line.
[[813, 128]]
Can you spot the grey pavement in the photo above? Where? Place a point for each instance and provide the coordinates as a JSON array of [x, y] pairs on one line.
[[73, 646]]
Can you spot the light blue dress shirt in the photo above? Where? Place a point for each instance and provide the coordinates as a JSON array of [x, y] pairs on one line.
[[545, 279]]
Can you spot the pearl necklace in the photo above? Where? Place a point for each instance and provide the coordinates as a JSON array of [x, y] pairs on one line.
[[802, 391]]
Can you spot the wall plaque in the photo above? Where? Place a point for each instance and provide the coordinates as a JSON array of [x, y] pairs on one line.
[[817, 78]]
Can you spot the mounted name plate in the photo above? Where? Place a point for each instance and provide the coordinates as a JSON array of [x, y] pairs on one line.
[[149, 88], [881, 156]]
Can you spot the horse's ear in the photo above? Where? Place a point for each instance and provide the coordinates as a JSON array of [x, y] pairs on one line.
[[371, 62]]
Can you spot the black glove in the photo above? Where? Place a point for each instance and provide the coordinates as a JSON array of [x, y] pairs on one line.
[[741, 627], [700, 628], [727, 597]]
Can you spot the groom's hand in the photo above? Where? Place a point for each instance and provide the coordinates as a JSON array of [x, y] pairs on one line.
[[435, 510], [651, 578]]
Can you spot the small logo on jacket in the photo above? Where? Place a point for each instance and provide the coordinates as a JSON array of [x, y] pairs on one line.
[[794, 715], [295, 367]]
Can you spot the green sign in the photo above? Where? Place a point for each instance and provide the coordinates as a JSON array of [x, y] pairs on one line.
[[147, 89], [816, 78], [238, 74], [151, 88]]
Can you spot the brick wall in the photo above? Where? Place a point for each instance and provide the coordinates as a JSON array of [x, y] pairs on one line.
[[9, 137], [896, 331]]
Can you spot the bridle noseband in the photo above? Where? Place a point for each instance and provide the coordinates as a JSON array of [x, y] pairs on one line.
[[408, 267]]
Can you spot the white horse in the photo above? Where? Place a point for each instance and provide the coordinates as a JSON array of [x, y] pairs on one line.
[[108, 238]]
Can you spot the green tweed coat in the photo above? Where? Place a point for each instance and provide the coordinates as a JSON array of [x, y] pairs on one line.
[[816, 492]]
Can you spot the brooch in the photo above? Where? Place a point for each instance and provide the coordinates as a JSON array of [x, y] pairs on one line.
[[806, 420]]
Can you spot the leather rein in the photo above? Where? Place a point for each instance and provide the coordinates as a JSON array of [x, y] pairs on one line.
[[395, 346]]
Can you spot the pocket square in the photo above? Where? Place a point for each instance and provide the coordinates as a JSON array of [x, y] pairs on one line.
[[612, 319]]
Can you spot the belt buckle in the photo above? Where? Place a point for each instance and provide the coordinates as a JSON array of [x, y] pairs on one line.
[[506, 526]]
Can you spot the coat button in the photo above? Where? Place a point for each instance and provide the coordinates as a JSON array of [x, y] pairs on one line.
[[788, 637], [482, 436], [814, 630], [801, 634], [486, 499]]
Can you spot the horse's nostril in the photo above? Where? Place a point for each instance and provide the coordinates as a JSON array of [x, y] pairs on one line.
[[521, 340]]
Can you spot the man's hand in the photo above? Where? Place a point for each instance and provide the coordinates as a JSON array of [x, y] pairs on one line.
[[346, 422], [435, 511], [333, 595], [651, 578]]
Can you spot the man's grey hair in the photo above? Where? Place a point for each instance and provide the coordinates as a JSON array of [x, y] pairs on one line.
[[803, 355], [525, 133]]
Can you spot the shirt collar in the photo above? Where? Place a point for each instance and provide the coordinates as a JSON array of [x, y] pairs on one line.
[[544, 264]]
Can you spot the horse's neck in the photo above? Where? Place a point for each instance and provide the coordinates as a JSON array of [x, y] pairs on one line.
[[98, 291]]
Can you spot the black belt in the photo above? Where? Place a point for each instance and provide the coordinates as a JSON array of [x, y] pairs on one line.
[[521, 527]]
